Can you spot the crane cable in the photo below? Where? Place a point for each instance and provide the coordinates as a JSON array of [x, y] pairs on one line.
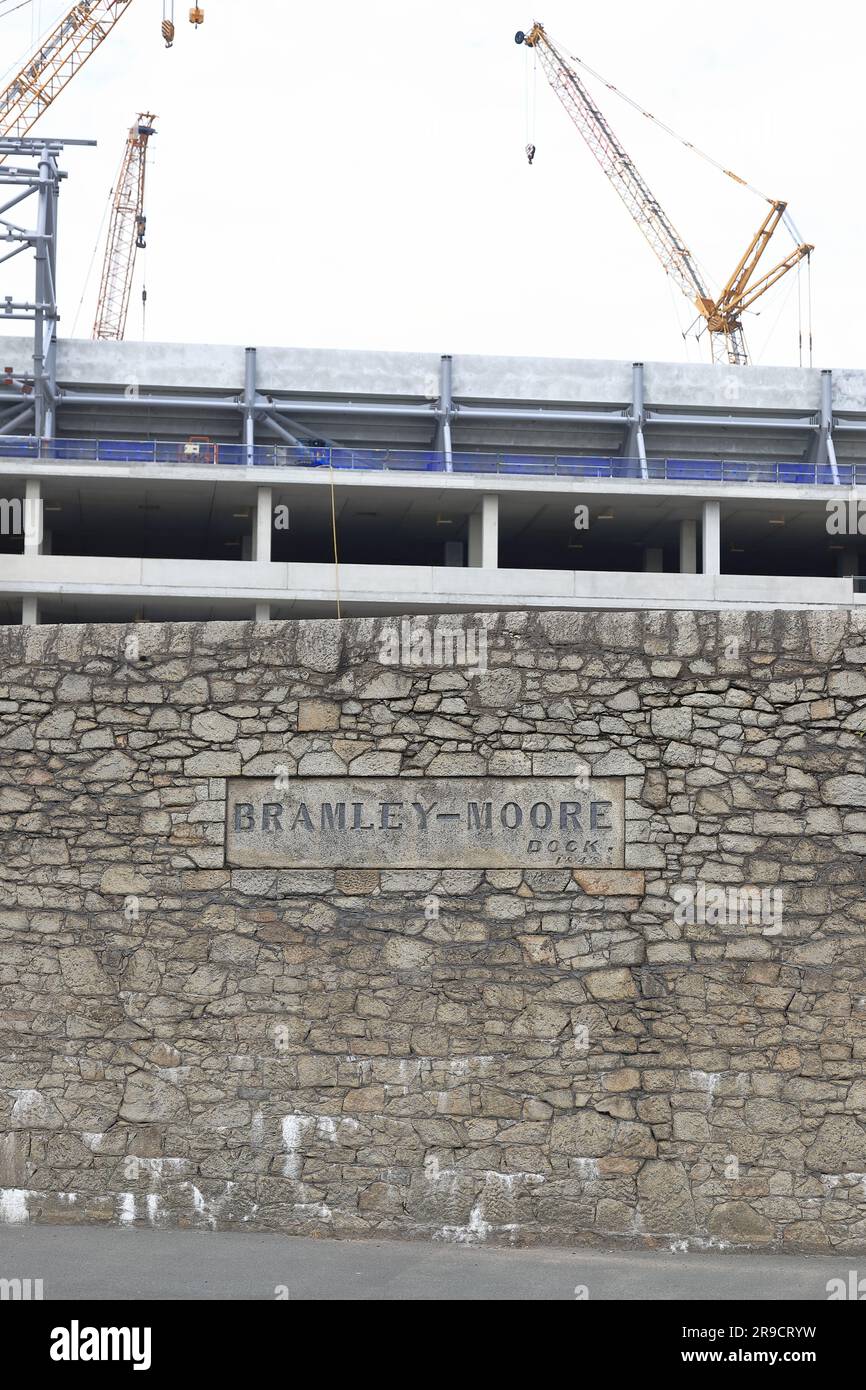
[[531, 103], [106, 213], [689, 144], [38, 35], [96, 245], [809, 283], [22, 5], [778, 319], [800, 308]]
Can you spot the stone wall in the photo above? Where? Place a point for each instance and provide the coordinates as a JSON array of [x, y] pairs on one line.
[[503, 1054]]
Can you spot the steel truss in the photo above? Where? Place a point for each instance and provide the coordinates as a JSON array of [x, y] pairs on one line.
[[37, 395]]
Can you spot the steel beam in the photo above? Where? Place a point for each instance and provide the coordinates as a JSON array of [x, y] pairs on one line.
[[824, 450], [445, 412], [276, 428], [68, 399], [11, 425], [635, 445], [745, 422], [306, 407], [842, 426], [250, 404], [539, 415]]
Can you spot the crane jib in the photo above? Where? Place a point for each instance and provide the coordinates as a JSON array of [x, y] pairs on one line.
[[722, 316]]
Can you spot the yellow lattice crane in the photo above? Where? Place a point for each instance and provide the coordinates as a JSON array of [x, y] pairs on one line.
[[62, 53], [126, 234], [722, 314]]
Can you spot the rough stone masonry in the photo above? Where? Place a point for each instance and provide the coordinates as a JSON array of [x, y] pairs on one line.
[[582, 1051]]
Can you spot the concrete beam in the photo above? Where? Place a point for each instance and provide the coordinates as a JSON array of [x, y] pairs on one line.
[[408, 588], [402, 480]]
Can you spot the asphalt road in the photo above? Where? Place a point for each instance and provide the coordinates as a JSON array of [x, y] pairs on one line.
[[76, 1262]]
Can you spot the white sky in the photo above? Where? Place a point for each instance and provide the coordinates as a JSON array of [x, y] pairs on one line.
[[348, 174]]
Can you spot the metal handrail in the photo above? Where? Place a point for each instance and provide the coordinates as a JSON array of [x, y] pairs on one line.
[[501, 464]]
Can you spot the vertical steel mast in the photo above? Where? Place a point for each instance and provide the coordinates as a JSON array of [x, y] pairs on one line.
[[42, 183]]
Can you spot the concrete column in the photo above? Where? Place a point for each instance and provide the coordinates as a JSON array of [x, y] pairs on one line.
[[688, 547], [474, 547], [712, 537], [653, 560], [263, 525], [263, 529], [484, 535], [29, 610], [33, 518]]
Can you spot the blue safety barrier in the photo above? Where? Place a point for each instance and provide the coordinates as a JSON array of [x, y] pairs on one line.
[[208, 454]]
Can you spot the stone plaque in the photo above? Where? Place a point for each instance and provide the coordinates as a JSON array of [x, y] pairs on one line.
[[426, 823]]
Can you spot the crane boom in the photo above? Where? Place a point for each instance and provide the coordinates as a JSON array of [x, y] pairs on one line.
[[125, 234], [56, 61], [722, 316]]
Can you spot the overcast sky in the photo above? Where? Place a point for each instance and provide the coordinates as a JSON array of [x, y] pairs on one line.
[[349, 174]]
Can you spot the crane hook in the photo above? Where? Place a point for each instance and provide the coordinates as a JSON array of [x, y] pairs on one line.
[[530, 153]]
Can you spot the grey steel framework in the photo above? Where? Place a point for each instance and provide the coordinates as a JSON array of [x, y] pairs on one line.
[[634, 431], [296, 421], [36, 398]]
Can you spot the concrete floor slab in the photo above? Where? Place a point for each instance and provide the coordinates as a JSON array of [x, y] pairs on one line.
[[99, 1263]]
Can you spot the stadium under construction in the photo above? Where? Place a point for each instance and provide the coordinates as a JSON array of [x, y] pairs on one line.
[[197, 482]]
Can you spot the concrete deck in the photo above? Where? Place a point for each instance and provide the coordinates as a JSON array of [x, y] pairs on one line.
[[78, 1263]]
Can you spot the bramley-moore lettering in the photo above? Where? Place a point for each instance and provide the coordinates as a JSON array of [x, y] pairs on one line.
[[417, 822], [387, 815]]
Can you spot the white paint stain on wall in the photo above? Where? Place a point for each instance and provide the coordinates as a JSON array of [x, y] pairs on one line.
[[13, 1206], [294, 1128]]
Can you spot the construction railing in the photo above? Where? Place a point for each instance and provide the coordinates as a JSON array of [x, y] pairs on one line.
[[206, 454]]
